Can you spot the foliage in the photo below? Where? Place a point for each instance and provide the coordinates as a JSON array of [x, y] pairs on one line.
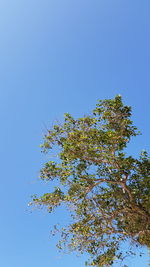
[[106, 191]]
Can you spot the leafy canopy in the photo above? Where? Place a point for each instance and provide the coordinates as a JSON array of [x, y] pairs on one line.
[[106, 191]]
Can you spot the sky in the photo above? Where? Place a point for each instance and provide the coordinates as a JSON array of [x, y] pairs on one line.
[[56, 57]]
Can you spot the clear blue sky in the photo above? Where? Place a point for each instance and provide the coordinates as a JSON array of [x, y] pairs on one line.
[[55, 57]]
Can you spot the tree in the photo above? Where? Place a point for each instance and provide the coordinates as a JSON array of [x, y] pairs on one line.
[[106, 190]]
